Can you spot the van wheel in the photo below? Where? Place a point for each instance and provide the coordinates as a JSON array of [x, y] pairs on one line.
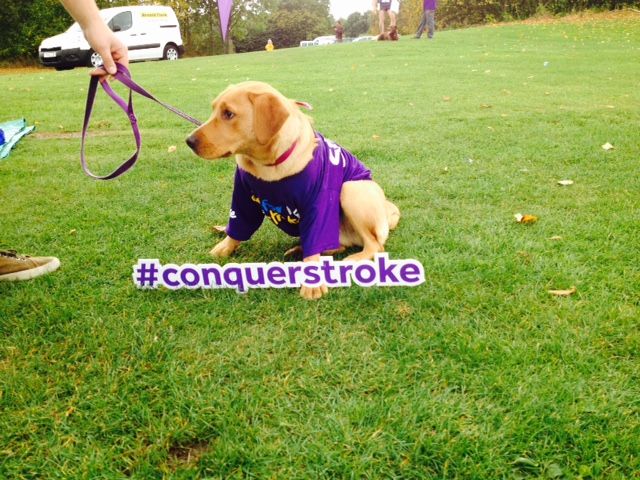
[[171, 52], [94, 59]]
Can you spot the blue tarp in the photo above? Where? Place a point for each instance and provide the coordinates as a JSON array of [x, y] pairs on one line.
[[10, 133]]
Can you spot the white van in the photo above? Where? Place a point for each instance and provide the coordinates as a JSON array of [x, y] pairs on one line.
[[325, 40], [149, 32]]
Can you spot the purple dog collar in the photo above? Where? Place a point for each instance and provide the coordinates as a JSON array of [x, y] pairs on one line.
[[124, 77]]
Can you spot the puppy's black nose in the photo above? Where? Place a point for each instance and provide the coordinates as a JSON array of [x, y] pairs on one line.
[[192, 141]]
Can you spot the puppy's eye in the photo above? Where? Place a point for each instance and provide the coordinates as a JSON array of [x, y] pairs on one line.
[[228, 114]]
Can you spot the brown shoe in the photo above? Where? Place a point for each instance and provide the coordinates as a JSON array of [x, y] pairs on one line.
[[21, 267]]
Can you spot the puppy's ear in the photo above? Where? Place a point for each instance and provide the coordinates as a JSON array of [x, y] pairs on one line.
[[269, 114]]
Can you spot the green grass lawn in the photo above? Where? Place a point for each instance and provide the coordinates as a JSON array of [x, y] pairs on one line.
[[478, 373]]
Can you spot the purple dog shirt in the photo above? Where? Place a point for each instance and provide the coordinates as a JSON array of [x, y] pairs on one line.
[[305, 205]]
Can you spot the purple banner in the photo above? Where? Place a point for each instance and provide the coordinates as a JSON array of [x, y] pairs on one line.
[[224, 7]]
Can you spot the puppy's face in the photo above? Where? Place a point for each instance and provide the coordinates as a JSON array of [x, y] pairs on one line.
[[245, 119]]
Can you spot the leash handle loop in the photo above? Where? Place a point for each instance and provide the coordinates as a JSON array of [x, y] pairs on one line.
[[123, 76]]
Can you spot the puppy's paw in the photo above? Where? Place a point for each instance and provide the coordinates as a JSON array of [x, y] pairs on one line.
[[313, 293], [360, 256], [225, 248]]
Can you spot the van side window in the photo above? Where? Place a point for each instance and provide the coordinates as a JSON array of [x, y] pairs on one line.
[[121, 22]]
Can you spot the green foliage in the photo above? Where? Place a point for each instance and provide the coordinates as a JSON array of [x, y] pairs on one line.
[[25, 23], [357, 24], [290, 22], [289, 27]]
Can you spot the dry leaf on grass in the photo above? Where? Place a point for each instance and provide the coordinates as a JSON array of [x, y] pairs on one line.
[[607, 146], [555, 238], [563, 293], [565, 183], [526, 218], [172, 149]]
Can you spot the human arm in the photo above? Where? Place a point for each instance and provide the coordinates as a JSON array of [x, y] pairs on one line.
[[99, 36]]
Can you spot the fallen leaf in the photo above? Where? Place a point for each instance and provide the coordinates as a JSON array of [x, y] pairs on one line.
[[526, 218], [446, 99], [555, 238], [485, 105], [375, 137], [219, 229], [172, 149], [607, 146], [565, 183], [525, 256], [563, 293], [73, 231], [524, 462], [554, 471]]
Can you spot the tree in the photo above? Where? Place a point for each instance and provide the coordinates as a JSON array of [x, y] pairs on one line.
[[25, 23], [357, 24], [297, 20], [286, 22]]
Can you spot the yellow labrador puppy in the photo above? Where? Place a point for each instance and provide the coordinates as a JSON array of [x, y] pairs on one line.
[[305, 184]]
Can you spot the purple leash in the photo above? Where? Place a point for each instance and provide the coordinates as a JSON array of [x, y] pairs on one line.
[[124, 77]]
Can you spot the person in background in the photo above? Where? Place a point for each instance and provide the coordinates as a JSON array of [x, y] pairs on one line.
[[382, 6], [428, 18], [14, 266], [269, 46], [339, 29]]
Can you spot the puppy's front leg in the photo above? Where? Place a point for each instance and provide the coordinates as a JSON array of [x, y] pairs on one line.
[[313, 293], [225, 248]]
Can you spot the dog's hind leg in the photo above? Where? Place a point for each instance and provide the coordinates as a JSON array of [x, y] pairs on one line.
[[393, 214], [365, 210]]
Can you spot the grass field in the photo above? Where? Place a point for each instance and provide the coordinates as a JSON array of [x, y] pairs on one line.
[[478, 373]]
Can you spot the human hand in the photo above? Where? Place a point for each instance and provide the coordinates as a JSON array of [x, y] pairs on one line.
[[111, 48]]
